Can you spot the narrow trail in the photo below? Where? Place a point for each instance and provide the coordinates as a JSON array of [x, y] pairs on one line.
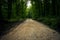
[[32, 30]]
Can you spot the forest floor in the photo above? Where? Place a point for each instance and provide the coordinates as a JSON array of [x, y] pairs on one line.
[[31, 30]]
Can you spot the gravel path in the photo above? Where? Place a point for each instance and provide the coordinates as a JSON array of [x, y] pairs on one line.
[[32, 30]]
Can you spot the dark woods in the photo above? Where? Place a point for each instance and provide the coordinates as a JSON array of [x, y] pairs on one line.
[[46, 11]]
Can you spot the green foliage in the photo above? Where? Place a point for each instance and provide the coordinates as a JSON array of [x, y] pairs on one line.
[[46, 11], [51, 22]]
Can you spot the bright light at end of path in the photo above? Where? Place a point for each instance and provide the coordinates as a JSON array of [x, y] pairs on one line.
[[28, 4]]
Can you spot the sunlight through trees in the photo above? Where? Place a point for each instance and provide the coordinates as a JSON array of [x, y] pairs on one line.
[[28, 4], [46, 11]]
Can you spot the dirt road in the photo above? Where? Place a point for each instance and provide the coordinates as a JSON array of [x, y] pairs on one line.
[[31, 30]]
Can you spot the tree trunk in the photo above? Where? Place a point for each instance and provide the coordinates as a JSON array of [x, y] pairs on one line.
[[54, 7], [46, 7], [1, 16], [9, 8]]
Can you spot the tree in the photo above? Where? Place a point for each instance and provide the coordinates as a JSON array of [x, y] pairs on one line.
[[46, 7], [9, 8], [1, 16]]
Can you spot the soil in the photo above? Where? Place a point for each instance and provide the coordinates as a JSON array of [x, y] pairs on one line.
[[31, 30]]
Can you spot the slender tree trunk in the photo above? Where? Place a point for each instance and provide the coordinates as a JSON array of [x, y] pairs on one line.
[[58, 8], [54, 7], [46, 7], [1, 16], [9, 8], [18, 7]]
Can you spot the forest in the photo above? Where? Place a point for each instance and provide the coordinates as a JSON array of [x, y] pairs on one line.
[[45, 11]]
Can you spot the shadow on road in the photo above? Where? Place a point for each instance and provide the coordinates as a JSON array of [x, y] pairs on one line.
[[5, 26]]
